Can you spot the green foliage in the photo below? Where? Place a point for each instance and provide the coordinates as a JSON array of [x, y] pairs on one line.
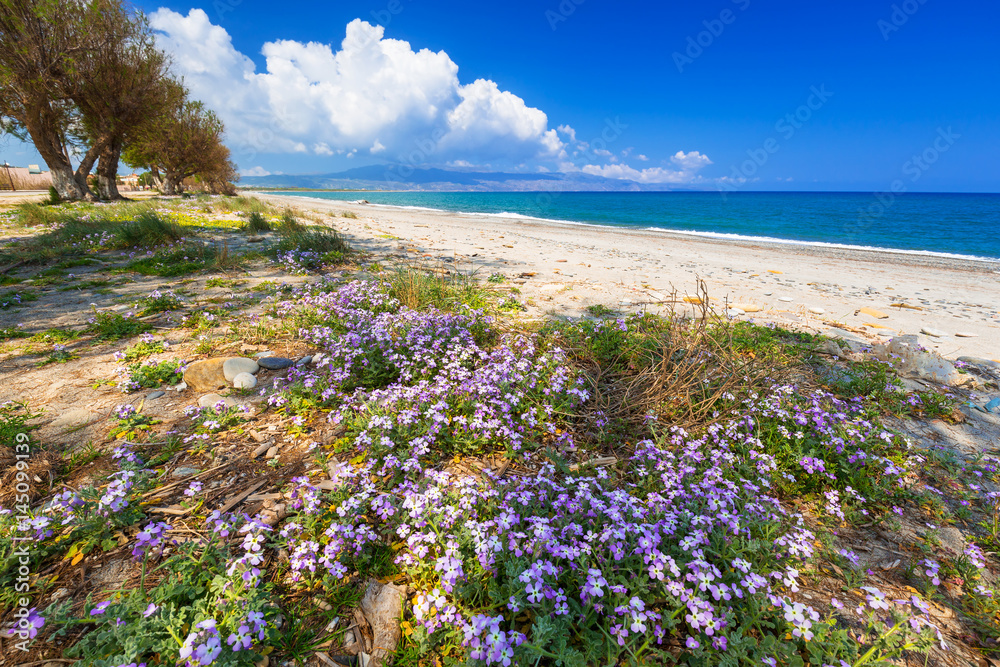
[[11, 299], [600, 310], [152, 375], [349, 214], [54, 197], [141, 350], [148, 230], [312, 240], [288, 224], [256, 224], [58, 355], [110, 326], [158, 302], [14, 426]]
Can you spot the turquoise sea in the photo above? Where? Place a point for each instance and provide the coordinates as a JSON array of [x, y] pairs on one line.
[[965, 225]]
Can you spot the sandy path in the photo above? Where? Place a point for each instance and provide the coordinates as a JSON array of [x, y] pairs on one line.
[[577, 266]]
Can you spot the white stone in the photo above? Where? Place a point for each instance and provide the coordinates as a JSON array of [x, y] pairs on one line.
[[786, 299], [211, 400], [236, 365], [936, 333], [815, 310], [906, 354], [244, 381], [966, 334]]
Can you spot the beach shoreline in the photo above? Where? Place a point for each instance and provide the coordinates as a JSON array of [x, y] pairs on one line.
[[576, 265]]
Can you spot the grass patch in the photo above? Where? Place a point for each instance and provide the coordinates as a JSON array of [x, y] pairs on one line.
[[108, 326], [256, 223], [10, 299], [148, 230]]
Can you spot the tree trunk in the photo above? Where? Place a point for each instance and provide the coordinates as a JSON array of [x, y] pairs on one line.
[[44, 131], [107, 171], [171, 184]]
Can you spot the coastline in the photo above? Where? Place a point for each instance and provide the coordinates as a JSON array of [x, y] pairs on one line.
[[576, 265]]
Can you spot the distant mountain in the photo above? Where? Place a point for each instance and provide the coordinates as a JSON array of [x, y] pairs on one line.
[[405, 177]]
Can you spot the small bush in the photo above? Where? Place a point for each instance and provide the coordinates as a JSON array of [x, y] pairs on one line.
[[349, 214], [149, 376], [256, 224], [115, 326], [148, 230], [158, 302]]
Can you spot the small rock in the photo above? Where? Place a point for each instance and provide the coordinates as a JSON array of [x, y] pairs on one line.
[[272, 452], [236, 365], [180, 386], [936, 333], [260, 355], [211, 400], [786, 299], [871, 312], [816, 310], [184, 472], [244, 381], [275, 363], [749, 307], [155, 395], [977, 361], [735, 312], [317, 358], [206, 375], [966, 334], [304, 360]]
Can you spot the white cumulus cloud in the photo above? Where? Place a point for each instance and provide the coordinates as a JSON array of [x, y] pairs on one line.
[[372, 93], [688, 165]]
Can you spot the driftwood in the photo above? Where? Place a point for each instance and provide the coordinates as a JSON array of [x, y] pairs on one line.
[[382, 606]]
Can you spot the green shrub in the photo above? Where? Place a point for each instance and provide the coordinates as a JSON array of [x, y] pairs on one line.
[[148, 230], [54, 197], [115, 326], [256, 224]]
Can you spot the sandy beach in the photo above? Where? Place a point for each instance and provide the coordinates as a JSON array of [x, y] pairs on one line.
[[561, 269]]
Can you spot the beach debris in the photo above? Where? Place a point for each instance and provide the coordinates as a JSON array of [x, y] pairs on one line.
[[206, 375], [816, 310], [993, 405], [749, 307], [382, 606], [775, 271], [966, 334], [156, 394], [785, 299], [905, 305], [735, 312], [236, 365], [934, 333], [696, 300], [871, 312]]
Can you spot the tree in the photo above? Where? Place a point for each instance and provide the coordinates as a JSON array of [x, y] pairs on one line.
[[124, 84], [40, 44], [184, 141]]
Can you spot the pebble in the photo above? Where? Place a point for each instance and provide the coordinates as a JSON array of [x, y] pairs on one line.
[[785, 299], [303, 361], [749, 307], [317, 358], [184, 472], [735, 312], [966, 334], [180, 386], [936, 333], [156, 394], [275, 363], [206, 375], [245, 381], [272, 452], [236, 365], [211, 400], [817, 311]]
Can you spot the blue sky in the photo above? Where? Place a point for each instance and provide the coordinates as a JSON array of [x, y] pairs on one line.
[[894, 79]]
